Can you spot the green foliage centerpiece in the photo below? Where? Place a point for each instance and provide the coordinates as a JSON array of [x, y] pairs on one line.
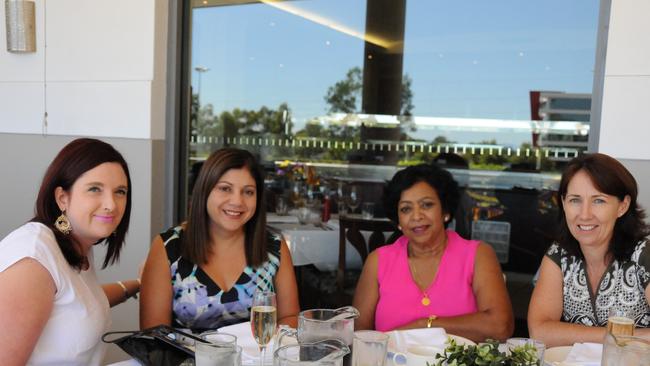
[[486, 354]]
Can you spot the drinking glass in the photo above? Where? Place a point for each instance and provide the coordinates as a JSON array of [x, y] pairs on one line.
[[340, 201], [220, 339], [264, 313], [209, 354], [619, 323], [625, 351], [369, 348], [353, 200], [281, 206], [368, 210]]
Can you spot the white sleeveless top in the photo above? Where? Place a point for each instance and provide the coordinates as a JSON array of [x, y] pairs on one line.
[[80, 315]]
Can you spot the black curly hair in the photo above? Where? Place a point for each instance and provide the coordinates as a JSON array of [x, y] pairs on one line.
[[438, 178]]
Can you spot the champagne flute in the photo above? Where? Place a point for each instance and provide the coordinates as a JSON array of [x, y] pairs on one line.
[[264, 319]]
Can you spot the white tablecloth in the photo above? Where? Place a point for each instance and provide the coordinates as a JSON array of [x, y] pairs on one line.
[[317, 245], [311, 244]]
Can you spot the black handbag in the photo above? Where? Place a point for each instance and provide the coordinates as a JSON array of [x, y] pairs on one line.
[[161, 345]]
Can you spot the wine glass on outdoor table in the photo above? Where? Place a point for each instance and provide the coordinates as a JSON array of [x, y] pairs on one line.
[[353, 199], [264, 319]]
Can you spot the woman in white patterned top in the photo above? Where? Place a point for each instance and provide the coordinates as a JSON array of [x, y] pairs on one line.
[[600, 261]]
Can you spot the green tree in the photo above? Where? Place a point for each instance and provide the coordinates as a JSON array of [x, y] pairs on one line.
[[345, 95]]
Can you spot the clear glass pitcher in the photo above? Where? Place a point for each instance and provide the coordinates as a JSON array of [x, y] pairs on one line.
[[625, 351], [321, 324], [324, 353]]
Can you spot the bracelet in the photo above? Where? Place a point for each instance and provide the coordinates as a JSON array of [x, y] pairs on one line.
[[430, 320], [126, 292]]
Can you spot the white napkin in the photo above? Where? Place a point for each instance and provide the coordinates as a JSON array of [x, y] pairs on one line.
[[585, 354], [400, 339], [250, 354]]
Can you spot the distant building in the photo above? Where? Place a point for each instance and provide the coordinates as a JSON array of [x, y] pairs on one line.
[[561, 107]]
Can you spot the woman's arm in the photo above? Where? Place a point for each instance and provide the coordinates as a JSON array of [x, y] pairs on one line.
[[494, 317], [286, 289], [117, 295], [156, 291], [545, 312], [23, 315], [366, 294]]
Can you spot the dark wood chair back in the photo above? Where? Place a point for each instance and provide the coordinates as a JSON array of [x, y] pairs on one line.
[[350, 229]]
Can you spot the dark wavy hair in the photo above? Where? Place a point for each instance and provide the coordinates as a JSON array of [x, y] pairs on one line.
[[438, 178], [76, 158], [609, 176], [196, 243]]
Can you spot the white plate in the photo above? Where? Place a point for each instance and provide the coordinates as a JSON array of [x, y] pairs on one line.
[[459, 340], [556, 354]]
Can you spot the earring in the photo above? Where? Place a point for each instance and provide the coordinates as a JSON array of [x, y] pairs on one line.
[[63, 224], [399, 227], [446, 218]]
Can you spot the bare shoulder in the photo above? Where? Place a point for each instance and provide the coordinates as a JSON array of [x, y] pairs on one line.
[[372, 261], [29, 270], [485, 253]]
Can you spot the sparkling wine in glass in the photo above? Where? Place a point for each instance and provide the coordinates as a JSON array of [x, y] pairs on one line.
[[264, 319]]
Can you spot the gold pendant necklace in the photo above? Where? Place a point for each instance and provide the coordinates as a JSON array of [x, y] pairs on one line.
[[425, 296]]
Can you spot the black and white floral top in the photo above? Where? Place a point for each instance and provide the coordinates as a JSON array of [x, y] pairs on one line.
[[622, 287]]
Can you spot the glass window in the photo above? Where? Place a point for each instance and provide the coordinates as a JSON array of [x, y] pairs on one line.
[[345, 92]]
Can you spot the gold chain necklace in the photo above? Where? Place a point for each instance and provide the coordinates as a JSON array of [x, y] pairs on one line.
[[425, 296]]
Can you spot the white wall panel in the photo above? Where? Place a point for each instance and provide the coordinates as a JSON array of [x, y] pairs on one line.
[[102, 109], [625, 125], [628, 52], [100, 40], [159, 85], [21, 107]]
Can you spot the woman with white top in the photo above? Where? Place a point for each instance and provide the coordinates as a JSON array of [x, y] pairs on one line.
[[52, 309]]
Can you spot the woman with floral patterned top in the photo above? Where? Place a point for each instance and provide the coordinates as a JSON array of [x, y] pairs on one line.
[[601, 260], [203, 274]]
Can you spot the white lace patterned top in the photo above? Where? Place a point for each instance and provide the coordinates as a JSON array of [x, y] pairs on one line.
[[622, 286]]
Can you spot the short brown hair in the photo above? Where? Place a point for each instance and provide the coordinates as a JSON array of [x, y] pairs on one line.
[[609, 176], [76, 158], [196, 243]]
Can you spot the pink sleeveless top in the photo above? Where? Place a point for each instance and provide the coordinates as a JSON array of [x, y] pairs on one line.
[[450, 292]]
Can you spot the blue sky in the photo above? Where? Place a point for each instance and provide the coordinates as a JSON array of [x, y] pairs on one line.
[[467, 58]]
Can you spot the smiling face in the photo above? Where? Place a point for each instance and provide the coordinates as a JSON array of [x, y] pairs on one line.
[[591, 214], [232, 201], [420, 215], [95, 203]]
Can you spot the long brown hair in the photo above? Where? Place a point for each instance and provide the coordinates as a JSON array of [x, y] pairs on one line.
[[196, 242], [610, 177], [76, 158]]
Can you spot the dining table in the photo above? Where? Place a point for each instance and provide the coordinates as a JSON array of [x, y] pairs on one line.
[[399, 343]]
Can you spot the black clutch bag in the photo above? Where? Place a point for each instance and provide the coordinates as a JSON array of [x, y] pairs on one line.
[[161, 345]]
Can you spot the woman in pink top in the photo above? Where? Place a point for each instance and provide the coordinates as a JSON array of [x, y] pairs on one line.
[[432, 277]]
